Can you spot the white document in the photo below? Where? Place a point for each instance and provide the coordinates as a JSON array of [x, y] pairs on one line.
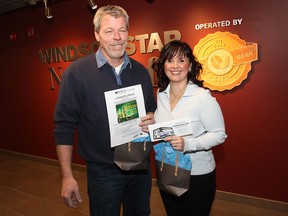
[[125, 107], [179, 127]]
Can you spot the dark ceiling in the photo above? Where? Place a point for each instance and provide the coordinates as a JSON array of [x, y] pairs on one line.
[[7, 6], [10, 5]]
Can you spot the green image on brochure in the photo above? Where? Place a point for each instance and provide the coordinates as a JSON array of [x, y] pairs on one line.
[[127, 111]]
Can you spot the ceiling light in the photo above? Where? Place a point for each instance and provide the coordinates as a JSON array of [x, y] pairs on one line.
[[92, 4], [48, 12]]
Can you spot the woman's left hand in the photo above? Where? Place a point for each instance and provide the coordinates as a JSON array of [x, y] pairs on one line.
[[176, 142]]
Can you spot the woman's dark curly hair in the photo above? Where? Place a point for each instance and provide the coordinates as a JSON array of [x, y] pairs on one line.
[[169, 51]]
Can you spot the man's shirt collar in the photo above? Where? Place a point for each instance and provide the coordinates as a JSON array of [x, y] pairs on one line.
[[101, 60]]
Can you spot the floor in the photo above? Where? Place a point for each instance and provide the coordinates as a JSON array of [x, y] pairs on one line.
[[32, 188]]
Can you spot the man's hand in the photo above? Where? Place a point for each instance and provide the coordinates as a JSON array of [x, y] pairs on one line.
[[70, 192], [147, 120]]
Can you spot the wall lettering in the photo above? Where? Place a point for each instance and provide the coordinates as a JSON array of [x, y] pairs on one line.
[[54, 76], [147, 44], [218, 24], [66, 53]]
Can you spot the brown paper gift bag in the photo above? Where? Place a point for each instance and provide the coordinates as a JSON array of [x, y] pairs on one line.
[[172, 179], [133, 155]]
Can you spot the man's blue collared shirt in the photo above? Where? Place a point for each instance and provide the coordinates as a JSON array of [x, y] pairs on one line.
[[101, 60]]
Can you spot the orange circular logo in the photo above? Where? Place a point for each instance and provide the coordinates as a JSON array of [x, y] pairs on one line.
[[226, 60]]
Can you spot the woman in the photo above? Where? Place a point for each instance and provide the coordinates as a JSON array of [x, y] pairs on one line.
[[180, 95]]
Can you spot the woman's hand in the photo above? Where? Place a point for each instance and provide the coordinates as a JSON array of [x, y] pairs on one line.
[[177, 142], [147, 120]]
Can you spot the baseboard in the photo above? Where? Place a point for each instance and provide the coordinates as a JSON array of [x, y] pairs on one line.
[[40, 159], [220, 195], [252, 201]]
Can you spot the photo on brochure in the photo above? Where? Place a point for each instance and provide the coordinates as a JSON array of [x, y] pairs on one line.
[[162, 132], [127, 111]]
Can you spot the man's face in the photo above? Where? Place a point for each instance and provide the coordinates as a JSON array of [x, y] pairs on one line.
[[113, 37]]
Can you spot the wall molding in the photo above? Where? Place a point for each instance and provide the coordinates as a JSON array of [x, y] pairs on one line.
[[256, 202]]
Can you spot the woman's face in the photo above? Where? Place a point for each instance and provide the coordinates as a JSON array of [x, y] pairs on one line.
[[176, 69]]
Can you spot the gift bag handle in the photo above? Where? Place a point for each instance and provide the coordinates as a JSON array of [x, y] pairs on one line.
[[176, 162], [129, 146]]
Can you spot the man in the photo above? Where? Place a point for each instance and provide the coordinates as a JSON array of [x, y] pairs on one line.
[[81, 105]]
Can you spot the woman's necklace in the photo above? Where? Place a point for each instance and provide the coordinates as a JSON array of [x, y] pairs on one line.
[[174, 98]]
